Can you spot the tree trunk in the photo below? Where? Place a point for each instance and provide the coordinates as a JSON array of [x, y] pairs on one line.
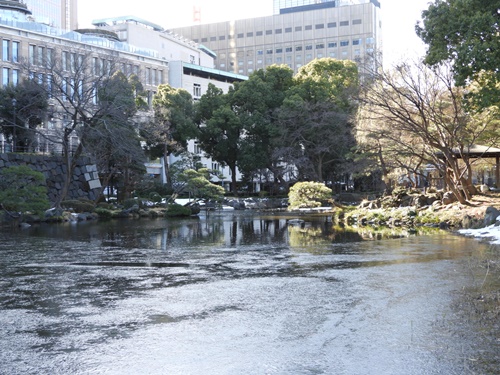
[[234, 184]]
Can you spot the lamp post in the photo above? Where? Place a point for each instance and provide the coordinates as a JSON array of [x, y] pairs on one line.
[[14, 135]]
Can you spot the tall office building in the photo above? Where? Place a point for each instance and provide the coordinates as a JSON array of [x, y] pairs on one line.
[[62, 14], [298, 32]]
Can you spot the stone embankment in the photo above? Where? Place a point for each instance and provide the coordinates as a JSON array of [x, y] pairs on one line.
[[85, 182]]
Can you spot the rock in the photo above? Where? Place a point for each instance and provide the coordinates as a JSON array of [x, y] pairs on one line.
[[448, 198], [490, 216], [484, 188]]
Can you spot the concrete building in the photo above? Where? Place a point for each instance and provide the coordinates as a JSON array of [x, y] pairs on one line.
[[298, 32], [29, 46], [62, 14]]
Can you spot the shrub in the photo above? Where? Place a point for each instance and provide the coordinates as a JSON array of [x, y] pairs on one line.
[[175, 210], [308, 195], [78, 205], [104, 213], [23, 190]]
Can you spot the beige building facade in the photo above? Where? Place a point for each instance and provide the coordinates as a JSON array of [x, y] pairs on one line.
[[301, 32]]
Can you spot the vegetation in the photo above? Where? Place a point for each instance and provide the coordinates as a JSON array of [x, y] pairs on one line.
[[23, 190], [308, 195]]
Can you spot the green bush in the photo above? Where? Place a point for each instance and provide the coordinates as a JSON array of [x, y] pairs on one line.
[[129, 203], [308, 195], [175, 210], [23, 190], [104, 213], [78, 205]]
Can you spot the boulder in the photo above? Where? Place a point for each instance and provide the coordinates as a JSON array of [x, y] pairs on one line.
[[490, 216], [448, 198]]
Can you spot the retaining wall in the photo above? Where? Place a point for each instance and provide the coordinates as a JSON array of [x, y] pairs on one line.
[[84, 184]]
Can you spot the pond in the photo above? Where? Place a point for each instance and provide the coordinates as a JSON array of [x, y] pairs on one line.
[[240, 293]]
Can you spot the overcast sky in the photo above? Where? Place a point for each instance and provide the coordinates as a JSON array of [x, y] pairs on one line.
[[398, 17]]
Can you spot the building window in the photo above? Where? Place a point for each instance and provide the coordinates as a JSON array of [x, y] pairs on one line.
[[64, 62], [309, 47], [259, 33], [269, 32], [344, 23], [250, 62], [213, 38], [332, 24], [31, 54], [278, 31], [288, 49], [6, 50], [344, 43], [298, 58], [279, 50], [332, 44], [240, 63], [196, 90], [288, 29], [222, 65], [356, 42], [319, 26], [250, 34], [298, 28], [344, 54], [333, 54], [197, 149], [160, 77], [298, 48], [319, 55], [39, 55], [308, 27], [356, 22], [308, 56], [320, 46], [196, 40], [260, 52], [269, 60], [192, 59], [204, 40], [370, 40], [279, 60], [5, 76], [15, 77], [222, 37], [15, 51], [269, 51], [259, 61]]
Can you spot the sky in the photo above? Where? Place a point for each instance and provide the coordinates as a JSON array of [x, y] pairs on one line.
[[398, 17]]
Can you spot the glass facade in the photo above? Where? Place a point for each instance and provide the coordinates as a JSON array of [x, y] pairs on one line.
[[61, 14]]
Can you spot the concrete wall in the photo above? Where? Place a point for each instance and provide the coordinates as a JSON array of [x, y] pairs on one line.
[[85, 182]]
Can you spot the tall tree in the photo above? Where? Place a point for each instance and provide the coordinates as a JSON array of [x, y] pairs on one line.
[[219, 130], [255, 102], [466, 33], [317, 118], [173, 124]]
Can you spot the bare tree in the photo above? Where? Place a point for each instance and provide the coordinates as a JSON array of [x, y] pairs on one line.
[[82, 97], [418, 115]]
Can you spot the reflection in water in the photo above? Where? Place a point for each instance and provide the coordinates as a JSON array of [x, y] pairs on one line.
[[234, 293]]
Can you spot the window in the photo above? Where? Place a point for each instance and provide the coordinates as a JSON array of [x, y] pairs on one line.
[[213, 38], [15, 77], [308, 56], [269, 51], [197, 149], [319, 26], [269, 32], [278, 31], [344, 23], [31, 54], [15, 51], [332, 24], [279, 50], [148, 76], [196, 40], [308, 27], [240, 63], [250, 34], [5, 76], [332, 44], [39, 56], [288, 29], [159, 77], [260, 52], [370, 40], [50, 54], [319, 55], [356, 22], [279, 60], [215, 166], [258, 33], [298, 48], [250, 62], [222, 37], [356, 42], [309, 47], [64, 62], [298, 28], [5, 50], [196, 90], [192, 59], [333, 54], [288, 49], [298, 58], [344, 43], [204, 40], [269, 60], [320, 46]]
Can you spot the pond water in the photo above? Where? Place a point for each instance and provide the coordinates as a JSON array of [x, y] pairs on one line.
[[237, 293]]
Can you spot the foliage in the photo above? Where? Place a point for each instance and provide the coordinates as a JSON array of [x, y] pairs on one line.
[[197, 184], [176, 210], [308, 194], [23, 190], [79, 206], [104, 213], [22, 109], [465, 32]]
